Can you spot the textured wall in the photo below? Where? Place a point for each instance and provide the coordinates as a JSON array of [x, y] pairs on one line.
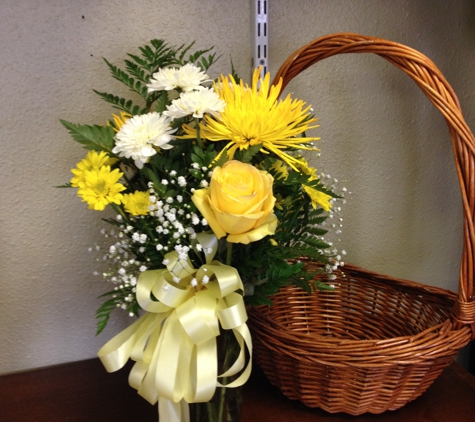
[[379, 135]]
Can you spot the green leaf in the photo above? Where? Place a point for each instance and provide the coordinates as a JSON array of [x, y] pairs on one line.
[[206, 63], [317, 185], [316, 231], [197, 58], [316, 243], [203, 157], [103, 313], [246, 155], [198, 154], [96, 138], [184, 50], [196, 174], [282, 270], [234, 73], [159, 188], [221, 160], [257, 300], [321, 285], [162, 102], [193, 58]]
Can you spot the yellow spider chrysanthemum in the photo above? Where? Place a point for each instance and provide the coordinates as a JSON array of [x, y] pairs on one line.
[[119, 120], [303, 167], [100, 188], [137, 203], [254, 116], [94, 161], [317, 197], [281, 169]]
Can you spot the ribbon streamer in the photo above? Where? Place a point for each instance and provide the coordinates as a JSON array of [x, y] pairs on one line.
[[174, 342]]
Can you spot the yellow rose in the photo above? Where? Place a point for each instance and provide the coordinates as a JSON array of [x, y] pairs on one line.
[[238, 202]]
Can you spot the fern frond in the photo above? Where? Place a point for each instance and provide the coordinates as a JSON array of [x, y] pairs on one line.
[[159, 56], [121, 103], [121, 76], [103, 313], [206, 63], [136, 70], [184, 50]]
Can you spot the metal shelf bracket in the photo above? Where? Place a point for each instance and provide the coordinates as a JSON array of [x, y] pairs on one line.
[[260, 31]]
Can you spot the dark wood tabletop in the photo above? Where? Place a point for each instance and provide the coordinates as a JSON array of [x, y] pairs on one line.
[[84, 392]]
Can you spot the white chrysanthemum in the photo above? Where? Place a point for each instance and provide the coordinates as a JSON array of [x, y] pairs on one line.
[[186, 78], [138, 136], [196, 103]]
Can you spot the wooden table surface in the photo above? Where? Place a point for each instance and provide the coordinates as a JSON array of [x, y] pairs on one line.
[[85, 392]]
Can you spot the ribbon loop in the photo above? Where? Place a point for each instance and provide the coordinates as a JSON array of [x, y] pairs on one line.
[[228, 279], [232, 312], [198, 317], [209, 245]]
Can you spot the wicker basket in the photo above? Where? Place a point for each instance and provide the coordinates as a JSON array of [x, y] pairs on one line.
[[375, 343]]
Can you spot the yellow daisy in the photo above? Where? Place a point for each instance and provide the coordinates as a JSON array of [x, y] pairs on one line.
[[100, 188], [94, 161], [255, 116], [136, 203]]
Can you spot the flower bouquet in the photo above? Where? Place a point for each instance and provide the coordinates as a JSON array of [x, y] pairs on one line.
[[214, 203]]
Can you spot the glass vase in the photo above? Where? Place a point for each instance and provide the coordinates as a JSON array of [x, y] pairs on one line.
[[225, 405]]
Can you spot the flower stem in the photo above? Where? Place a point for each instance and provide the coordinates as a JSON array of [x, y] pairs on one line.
[[198, 134], [221, 401], [227, 355], [229, 254], [118, 211]]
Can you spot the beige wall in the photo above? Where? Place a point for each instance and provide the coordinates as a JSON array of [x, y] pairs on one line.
[[379, 135]]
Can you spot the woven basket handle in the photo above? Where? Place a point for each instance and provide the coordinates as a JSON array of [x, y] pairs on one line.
[[431, 81]]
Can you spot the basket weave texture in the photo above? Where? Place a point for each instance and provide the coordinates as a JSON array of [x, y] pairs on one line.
[[375, 342]]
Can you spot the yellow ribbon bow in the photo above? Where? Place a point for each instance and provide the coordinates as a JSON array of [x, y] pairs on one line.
[[174, 342]]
